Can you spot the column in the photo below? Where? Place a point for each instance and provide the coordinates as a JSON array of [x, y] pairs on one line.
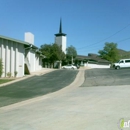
[[7, 58], [16, 58], [3, 57], [12, 59]]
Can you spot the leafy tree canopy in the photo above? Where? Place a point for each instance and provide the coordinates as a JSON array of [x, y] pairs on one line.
[[71, 51], [46, 49], [52, 52], [110, 52], [71, 54], [58, 54]]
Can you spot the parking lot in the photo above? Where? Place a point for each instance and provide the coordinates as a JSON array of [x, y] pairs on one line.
[[106, 77], [98, 104]]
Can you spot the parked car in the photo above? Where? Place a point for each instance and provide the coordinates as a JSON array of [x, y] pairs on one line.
[[123, 63], [77, 65], [69, 67]]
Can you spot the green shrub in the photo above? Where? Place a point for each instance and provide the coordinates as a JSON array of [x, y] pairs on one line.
[[1, 67], [9, 74], [15, 73]]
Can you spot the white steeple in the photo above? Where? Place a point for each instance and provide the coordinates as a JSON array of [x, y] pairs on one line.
[[60, 38]]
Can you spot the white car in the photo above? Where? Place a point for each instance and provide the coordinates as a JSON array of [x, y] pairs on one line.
[[123, 63], [69, 67]]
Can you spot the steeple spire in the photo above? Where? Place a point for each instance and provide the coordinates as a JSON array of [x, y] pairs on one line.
[[60, 28], [60, 38]]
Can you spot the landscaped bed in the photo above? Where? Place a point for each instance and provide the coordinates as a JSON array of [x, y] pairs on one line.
[[5, 80]]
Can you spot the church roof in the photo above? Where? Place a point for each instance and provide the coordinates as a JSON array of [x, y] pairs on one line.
[[92, 57], [18, 41]]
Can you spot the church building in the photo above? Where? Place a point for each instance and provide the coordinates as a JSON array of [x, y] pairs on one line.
[[19, 57]]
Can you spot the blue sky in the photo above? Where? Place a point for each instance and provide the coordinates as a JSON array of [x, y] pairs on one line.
[[86, 22]]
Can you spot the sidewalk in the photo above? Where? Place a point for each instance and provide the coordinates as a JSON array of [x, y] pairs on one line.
[[84, 68]]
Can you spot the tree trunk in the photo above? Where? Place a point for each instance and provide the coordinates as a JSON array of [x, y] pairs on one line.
[[60, 64], [72, 60]]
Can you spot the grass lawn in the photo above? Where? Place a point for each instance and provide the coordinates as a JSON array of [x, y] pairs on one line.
[[5, 80]]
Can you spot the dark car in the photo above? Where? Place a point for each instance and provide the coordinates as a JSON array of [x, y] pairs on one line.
[[77, 65]]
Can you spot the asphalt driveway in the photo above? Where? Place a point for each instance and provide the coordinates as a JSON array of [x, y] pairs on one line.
[[106, 77], [36, 86]]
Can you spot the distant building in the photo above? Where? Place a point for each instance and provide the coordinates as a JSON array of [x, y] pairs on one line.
[[92, 58], [60, 38], [92, 61], [19, 56]]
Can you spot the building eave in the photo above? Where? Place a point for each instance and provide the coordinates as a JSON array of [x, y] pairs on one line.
[[60, 34], [18, 41]]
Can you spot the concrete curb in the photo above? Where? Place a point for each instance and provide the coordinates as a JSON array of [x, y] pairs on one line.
[[76, 83]]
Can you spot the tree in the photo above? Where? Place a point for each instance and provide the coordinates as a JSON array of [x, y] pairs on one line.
[[1, 67], [46, 50], [58, 54], [52, 52], [110, 52], [71, 53]]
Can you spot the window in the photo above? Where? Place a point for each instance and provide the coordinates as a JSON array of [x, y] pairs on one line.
[[121, 61], [127, 61]]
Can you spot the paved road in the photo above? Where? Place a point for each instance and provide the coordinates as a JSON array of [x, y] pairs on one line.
[[36, 86], [80, 108], [106, 77]]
